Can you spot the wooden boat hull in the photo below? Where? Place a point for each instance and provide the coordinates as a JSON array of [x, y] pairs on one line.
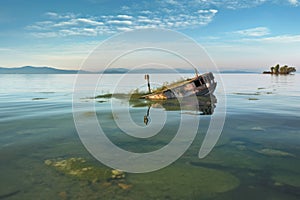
[[200, 86]]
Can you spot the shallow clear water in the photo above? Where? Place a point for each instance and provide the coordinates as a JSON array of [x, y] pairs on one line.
[[256, 157]]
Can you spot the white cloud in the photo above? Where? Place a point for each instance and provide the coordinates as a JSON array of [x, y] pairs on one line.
[[172, 2], [144, 20], [77, 21], [124, 16], [125, 8], [72, 22], [124, 29], [254, 32], [203, 11], [55, 15], [78, 31], [146, 12], [294, 2], [214, 11], [124, 22], [51, 14], [89, 21]]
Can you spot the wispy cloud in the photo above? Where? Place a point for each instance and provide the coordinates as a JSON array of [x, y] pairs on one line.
[[74, 24], [254, 32], [278, 39], [6, 49], [173, 14], [161, 14], [55, 15]]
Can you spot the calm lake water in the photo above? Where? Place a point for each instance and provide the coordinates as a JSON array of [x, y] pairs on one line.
[[256, 157]]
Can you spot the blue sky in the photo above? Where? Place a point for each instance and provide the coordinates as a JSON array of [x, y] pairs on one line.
[[237, 34]]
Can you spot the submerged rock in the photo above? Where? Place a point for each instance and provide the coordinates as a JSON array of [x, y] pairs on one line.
[[237, 142], [87, 173], [281, 178], [80, 168], [275, 152], [124, 186], [117, 174], [48, 162], [63, 195], [241, 147]]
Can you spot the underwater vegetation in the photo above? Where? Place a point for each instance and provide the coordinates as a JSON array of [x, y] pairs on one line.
[[183, 180], [80, 169]]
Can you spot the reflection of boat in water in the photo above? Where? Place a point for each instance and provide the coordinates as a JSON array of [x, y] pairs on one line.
[[200, 85], [204, 105]]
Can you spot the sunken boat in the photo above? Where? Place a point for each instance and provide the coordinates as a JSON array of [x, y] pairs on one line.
[[200, 85]]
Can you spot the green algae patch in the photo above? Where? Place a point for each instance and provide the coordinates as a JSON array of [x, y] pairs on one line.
[[253, 99], [134, 95], [245, 93], [275, 152], [89, 114], [36, 99], [286, 178], [183, 182], [81, 169]]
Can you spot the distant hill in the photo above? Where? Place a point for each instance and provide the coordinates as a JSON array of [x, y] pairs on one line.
[[35, 70], [114, 71], [51, 70], [146, 71]]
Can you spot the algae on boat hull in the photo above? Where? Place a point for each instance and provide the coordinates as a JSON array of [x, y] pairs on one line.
[[135, 95], [108, 96]]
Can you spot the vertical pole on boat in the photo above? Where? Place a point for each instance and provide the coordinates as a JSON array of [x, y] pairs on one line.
[[148, 82], [196, 72]]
